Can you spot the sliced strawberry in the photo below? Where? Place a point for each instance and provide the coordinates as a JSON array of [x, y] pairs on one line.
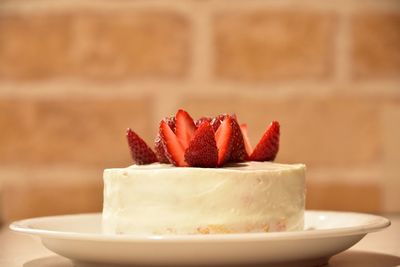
[[202, 150], [216, 121], [238, 153], [268, 146], [141, 153], [159, 149], [171, 121], [201, 120], [158, 145], [247, 145], [173, 149], [224, 138], [185, 127]]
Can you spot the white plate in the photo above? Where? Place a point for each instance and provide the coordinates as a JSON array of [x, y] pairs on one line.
[[79, 238]]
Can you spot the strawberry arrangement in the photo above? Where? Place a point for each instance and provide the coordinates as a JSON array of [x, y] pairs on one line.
[[206, 142]]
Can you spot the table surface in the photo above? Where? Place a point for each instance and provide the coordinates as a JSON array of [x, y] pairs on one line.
[[381, 249]]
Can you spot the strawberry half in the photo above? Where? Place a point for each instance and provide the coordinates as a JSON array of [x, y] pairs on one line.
[[171, 121], [159, 149], [268, 146], [185, 127], [216, 121], [238, 153], [173, 149], [141, 153], [201, 120], [224, 139], [158, 145], [247, 145], [202, 150]]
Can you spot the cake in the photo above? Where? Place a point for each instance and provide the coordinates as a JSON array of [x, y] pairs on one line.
[[204, 178], [243, 197]]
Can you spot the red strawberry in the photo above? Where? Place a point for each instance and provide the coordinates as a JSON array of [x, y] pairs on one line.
[[202, 150], [238, 153], [268, 146], [171, 121], [185, 127], [141, 153], [224, 139], [247, 145], [216, 121], [159, 149], [201, 120], [158, 145], [173, 149]]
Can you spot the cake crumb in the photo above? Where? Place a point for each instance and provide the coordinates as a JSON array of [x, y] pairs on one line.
[[219, 229], [281, 225], [203, 230], [265, 228]]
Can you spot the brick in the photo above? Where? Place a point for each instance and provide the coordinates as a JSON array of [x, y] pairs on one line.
[[34, 46], [71, 130], [273, 45], [391, 156], [100, 45], [319, 131], [375, 45], [391, 133], [51, 193], [344, 197], [132, 45]]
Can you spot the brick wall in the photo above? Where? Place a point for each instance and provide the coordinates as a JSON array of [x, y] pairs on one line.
[[75, 74]]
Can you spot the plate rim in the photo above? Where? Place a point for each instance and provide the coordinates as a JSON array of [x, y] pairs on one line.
[[379, 223]]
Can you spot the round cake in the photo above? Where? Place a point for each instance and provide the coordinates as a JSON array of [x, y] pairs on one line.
[[164, 199], [204, 177]]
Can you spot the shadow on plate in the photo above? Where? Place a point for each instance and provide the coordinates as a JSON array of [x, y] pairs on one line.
[[52, 261], [346, 259], [363, 258]]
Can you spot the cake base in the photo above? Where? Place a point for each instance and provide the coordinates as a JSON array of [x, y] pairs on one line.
[[240, 198]]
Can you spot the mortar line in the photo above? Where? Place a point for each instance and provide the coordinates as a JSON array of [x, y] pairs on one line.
[[62, 5]]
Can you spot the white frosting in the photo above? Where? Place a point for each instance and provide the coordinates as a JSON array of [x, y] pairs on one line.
[[245, 197]]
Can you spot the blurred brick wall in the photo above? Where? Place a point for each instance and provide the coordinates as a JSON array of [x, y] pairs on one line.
[[75, 74]]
